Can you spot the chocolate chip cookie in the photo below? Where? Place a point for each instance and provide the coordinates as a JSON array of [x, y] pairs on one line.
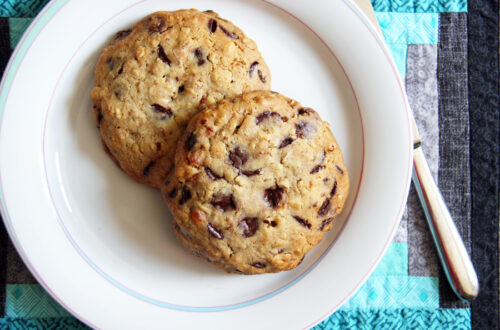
[[154, 77], [258, 180]]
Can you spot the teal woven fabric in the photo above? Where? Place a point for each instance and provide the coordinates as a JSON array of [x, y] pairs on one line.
[[404, 290]]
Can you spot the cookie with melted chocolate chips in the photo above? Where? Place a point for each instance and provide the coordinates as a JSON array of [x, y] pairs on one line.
[[153, 77], [262, 179]]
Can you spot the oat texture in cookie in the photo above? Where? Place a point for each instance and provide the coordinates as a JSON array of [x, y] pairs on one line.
[[258, 180], [155, 76]]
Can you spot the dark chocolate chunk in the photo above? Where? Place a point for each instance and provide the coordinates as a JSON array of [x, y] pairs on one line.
[[185, 195], [215, 232], [237, 157], [156, 24], [199, 55], [339, 169], [211, 174], [190, 141], [223, 203], [148, 168], [304, 111], [325, 223], [99, 116], [173, 192], [271, 223], [304, 129], [212, 25], [286, 141], [259, 265], [303, 222], [163, 56], [317, 168], [166, 113], [252, 68], [334, 189], [181, 89], [273, 196], [265, 115], [251, 173], [261, 76], [122, 34], [324, 208], [230, 34], [248, 226]]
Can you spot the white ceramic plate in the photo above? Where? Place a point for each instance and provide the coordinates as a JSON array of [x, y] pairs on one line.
[[102, 245]]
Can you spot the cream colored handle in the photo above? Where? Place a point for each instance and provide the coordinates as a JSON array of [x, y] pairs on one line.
[[452, 253]]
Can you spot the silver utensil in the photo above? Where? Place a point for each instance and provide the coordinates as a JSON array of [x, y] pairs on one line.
[[456, 262]]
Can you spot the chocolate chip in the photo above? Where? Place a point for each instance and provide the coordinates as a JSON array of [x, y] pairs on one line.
[[199, 55], [339, 169], [334, 189], [251, 173], [259, 265], [121, 70], [217, 233], [317, 168], [305, 111], [185, 195], [325, 207], [148, 168], [252, 68], [181, 89], [261, 76], [304, 129], [212, 25], [303, 222], [99, 116], [325, 223], [122, 34], [208, 11], [273, 196], [223, 203], [163, 56], [156, 24], [265, 115], [166, 113], [271, 223], [237, 157], [211, 174], [190, 141], [285, 142], [228, 33], [248, 226], [173, 193]]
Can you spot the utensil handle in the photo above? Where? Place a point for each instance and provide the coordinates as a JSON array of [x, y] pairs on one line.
[[452, 253]]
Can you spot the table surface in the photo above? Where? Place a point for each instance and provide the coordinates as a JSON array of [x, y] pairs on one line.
[[447, 55]]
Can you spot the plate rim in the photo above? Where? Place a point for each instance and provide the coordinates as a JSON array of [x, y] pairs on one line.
[[29, 37]]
